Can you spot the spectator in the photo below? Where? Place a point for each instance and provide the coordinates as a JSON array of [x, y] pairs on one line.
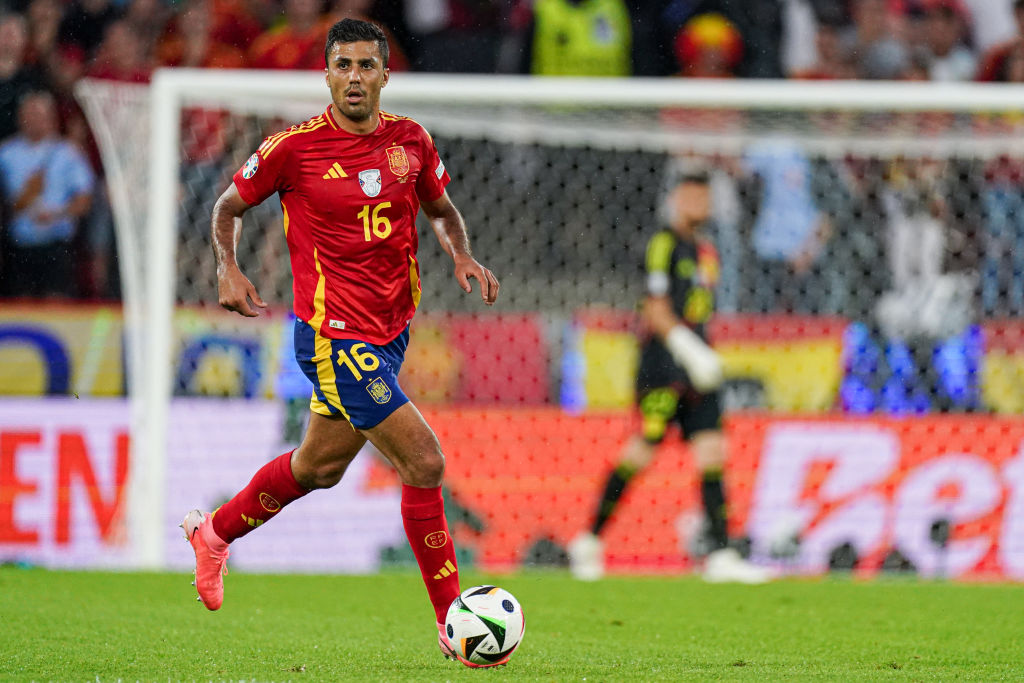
[[192, 42], [147, 20], [48, 184], [945, 29], [991, 23], [1002, 272], [240, 22], [789, 232], [62, 65], [44, 19], [926, 317], [916, 208], [833, 61], [122, 56], [297, 43], [577, 38], [16, 78], [760, 25], [993, 64], [798, 52], [726, 220], [708, 46], [872, 43]]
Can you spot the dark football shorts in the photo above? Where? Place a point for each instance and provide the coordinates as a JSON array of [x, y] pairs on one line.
[[664, 395], [351, 378]]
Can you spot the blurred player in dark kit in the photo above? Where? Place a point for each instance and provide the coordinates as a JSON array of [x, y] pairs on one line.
[[678, 379]]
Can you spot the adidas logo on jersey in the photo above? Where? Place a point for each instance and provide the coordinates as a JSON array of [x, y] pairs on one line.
[[335, 171]]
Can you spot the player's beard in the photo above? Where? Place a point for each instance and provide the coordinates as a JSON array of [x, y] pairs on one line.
[[356, 113]]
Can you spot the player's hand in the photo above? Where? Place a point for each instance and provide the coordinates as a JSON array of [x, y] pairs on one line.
[[467, 267], [235, 291]]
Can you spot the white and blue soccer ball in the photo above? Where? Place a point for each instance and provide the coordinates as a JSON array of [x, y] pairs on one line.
[[485, 625]]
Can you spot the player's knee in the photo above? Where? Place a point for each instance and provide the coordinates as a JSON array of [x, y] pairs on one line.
[[639, 454], [321, 477], [427, 470], [709, 448], [318, 470], [328, 475]]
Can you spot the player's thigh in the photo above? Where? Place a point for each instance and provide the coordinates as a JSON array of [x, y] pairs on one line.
[[329, 445], [700, 413], [658, 384], [330, 439], [701, 422], [406, 439], [658, 407]]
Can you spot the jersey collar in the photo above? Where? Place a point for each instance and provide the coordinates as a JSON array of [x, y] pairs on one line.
[[334, 124]]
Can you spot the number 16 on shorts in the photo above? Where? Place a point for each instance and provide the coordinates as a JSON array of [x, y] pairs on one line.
[[378, 388], [356, 380]]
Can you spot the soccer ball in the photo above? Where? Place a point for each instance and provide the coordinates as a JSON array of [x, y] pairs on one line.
[[485, 625]]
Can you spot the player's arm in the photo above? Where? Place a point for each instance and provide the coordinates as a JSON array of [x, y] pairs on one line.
[[688, 350], [234, 289], [451, 233]]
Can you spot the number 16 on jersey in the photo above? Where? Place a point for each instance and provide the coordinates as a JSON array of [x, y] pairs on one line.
[[374, 222]]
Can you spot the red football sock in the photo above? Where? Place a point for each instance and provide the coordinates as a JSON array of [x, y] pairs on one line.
[[270, 489], [427, 530]]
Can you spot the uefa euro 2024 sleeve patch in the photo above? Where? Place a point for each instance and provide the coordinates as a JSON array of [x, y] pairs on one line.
[[250, 166]]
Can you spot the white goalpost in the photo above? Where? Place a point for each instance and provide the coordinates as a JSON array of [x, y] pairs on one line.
[[506, 131]]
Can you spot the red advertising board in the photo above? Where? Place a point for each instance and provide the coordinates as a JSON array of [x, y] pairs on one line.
[[532, 477], [878, 484], [63, 482]]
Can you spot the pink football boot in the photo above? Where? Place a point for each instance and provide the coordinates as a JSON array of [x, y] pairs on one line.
[[211, 558]]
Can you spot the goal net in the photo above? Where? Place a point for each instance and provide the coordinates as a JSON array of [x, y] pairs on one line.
[[869, 243]]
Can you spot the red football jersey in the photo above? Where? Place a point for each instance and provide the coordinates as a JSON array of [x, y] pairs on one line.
[[350, 204]]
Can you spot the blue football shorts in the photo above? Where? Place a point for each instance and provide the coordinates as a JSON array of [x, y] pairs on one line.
[[351, 378]]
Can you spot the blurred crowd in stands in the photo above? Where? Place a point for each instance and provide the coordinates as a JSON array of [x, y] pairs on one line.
[[58, 237]]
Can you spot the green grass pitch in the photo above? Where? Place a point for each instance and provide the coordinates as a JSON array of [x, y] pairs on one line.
[[89, 626]]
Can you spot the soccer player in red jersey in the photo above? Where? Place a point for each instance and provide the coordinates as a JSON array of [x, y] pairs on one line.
[[351, 182]]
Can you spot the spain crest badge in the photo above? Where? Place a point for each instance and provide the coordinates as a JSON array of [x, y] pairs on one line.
[[397, 160], [379, 390]]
